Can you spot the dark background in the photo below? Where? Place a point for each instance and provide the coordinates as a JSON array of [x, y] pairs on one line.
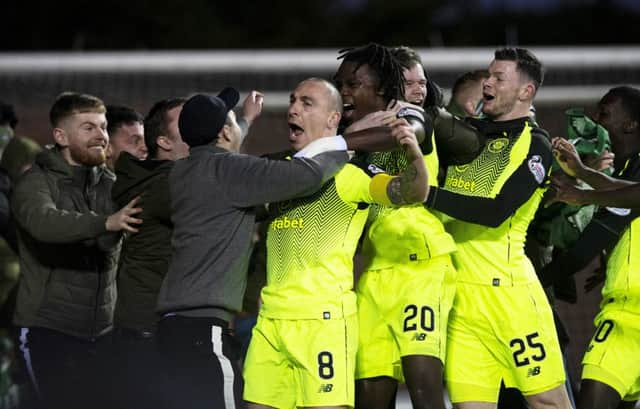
[[201, 24], [74, 27]]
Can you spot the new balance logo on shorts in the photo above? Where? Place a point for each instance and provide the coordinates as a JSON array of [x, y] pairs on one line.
[[325, 387], [533, 371], [419, 336]]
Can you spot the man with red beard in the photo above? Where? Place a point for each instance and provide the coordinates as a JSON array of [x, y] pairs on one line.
[[69, 246]]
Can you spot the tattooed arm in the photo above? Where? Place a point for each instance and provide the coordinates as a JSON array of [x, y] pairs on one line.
[[411, 186]]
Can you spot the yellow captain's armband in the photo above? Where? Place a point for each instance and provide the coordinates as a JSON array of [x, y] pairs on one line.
[[378, 188]]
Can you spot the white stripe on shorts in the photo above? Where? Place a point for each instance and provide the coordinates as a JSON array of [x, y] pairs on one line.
[[225, 364], [26, 355]]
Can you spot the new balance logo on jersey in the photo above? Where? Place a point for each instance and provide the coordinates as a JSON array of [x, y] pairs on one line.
[[533, 371], [325, 387], [286, 223], [419, 336]]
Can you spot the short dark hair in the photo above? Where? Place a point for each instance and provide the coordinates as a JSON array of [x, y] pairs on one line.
[[406, 56], [71, 103], [155, 123], [629, 99], [468, 78], [526, 63], [382, 62], [118, 115], [8, 115]]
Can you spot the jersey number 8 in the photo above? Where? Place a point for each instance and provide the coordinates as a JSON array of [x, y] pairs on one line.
[[325, 365]]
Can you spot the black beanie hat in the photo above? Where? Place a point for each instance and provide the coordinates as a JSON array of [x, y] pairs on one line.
[[203, 116]]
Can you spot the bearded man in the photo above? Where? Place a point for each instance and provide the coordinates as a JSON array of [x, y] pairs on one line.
[[68, 239]]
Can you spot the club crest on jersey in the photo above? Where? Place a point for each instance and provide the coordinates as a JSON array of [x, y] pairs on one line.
[[374, 169], [537, 168], [498, 145], [619, 211]]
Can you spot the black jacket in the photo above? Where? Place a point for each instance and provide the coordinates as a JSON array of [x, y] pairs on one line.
[[145, 255]]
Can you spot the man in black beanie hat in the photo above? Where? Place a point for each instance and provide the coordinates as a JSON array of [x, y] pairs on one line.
[[213, 194]]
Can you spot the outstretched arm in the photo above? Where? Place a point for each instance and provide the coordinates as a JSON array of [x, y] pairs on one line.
[[492, 212], [373, 133], [627, 196]]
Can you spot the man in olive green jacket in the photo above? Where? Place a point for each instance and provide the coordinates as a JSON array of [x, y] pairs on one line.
[[68, 249]]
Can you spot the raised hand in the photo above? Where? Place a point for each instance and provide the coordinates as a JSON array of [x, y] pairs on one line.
[[412, 185], [252, 106], [404, 135], [567, 156]]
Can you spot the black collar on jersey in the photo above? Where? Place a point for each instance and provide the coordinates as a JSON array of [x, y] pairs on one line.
[[489, 128]]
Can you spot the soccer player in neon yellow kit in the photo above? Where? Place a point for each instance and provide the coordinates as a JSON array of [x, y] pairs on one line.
[[610, 374], [406, 252], [501, 327], [303, 347]]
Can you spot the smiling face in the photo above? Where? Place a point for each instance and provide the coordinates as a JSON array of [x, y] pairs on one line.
[[84, 138], [507, 93], [359, 91], [313, 112], [415, 85]]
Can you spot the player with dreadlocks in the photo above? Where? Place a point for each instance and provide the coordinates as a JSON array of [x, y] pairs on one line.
[[406, 250], [370, 64], [370, 110]]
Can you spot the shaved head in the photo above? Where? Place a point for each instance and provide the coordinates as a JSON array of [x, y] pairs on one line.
[[333, 96]]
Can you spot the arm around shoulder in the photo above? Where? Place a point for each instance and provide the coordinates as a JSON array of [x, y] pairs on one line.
[[257, 180]]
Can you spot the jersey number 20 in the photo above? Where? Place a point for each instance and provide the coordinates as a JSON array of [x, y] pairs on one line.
[[426, 318]]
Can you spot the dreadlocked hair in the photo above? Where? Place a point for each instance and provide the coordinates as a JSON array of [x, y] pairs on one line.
[[381, 61]]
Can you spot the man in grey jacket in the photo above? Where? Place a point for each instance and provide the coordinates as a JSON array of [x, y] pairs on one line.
[[213, 194], [68, 253]]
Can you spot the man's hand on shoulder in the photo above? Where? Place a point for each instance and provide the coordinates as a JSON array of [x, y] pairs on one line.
[[123, 219]]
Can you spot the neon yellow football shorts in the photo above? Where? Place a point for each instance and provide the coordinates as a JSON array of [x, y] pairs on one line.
[[403, 311], [501, 333], [292, 363], [614, 352]]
